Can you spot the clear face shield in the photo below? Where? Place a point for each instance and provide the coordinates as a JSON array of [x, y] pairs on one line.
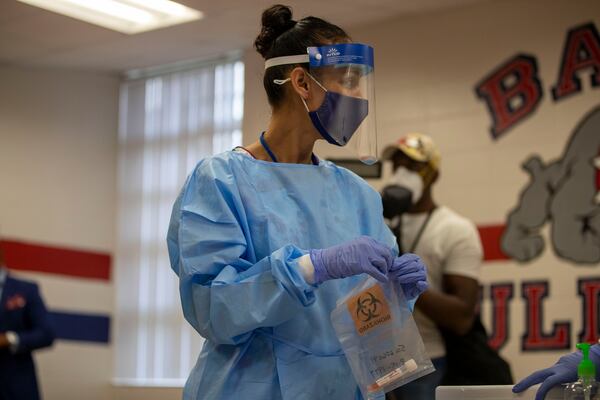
[[344, 76]]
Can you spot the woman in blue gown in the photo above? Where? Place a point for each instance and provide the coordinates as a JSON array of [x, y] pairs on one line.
[[266, 238]]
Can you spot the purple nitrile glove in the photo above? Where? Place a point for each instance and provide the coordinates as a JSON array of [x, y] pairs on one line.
[[411, 273], [564, 371], [357, 256]]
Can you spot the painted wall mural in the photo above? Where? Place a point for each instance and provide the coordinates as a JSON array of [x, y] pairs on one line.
[[563, 194]]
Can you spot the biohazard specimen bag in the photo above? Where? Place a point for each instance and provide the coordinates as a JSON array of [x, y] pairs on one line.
[[378, 334]]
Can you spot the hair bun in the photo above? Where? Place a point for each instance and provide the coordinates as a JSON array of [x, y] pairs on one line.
[[276, 20]]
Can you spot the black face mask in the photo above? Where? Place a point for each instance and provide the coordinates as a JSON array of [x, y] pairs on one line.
[[396, 200]]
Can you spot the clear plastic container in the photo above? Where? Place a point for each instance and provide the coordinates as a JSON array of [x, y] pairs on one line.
[[583, 389]]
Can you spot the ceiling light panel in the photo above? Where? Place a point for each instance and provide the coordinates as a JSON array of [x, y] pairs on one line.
[[126, 16]]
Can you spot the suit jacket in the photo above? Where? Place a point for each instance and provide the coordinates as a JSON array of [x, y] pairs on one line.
[[23, 312]]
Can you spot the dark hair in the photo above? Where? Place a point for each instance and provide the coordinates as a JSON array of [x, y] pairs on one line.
[[282, 36]]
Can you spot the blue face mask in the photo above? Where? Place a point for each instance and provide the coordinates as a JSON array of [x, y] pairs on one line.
[[339, 116]]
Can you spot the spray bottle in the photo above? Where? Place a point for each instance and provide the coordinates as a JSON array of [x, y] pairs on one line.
[[586, 388]]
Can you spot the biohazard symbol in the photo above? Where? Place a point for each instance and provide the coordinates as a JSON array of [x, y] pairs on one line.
[[368, 307]]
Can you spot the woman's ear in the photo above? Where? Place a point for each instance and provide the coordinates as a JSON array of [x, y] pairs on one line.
[[300, 82]]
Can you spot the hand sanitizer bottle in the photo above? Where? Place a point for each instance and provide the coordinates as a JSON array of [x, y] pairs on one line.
[[586, 388]]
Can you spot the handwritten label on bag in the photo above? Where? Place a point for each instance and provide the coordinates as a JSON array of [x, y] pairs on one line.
[[369, 309]]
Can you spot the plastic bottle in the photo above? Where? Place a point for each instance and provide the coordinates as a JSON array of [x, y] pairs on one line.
[[586, 388]]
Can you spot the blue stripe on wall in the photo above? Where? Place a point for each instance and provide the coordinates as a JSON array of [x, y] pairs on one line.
[[81, 327]]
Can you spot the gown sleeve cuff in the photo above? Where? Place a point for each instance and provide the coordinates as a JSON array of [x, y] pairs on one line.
[[286, 269]]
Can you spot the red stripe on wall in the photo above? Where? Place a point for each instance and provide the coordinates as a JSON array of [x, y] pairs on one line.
[[490, 240], [54, 260]]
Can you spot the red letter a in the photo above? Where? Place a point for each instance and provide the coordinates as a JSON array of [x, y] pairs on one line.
[[582, 50]]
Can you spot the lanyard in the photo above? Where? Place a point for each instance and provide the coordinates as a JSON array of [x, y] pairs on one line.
[[398, 231], [264, 144]]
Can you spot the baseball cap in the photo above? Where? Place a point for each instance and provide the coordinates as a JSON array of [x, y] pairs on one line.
[[417, 146]]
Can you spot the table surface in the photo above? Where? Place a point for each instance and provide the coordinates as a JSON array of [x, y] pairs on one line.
[[499, 392]]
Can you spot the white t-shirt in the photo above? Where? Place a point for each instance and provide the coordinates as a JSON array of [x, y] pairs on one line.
[[449, 245]]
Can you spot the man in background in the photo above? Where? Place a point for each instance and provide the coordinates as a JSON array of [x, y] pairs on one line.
[[448, 244], [24, 327]]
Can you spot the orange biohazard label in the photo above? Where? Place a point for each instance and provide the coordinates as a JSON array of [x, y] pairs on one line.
[[369, 309]]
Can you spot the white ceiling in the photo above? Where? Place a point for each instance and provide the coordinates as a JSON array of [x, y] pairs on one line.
[[31, 36]]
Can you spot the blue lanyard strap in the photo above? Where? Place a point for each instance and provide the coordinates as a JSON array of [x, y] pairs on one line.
[[264, 144], [267, 148]]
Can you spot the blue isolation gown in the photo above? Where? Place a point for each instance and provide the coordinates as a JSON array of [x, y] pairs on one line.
[[237, 230]]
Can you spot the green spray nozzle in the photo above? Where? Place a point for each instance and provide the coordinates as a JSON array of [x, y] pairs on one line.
[[586, 368]]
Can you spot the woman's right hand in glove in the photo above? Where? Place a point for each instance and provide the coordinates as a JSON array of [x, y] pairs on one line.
[[357, 256]]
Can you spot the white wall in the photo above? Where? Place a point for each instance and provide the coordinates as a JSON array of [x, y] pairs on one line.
[[58, 138], [426, 69]]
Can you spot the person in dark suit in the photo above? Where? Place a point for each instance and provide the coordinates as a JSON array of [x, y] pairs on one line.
[[24, 327]]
